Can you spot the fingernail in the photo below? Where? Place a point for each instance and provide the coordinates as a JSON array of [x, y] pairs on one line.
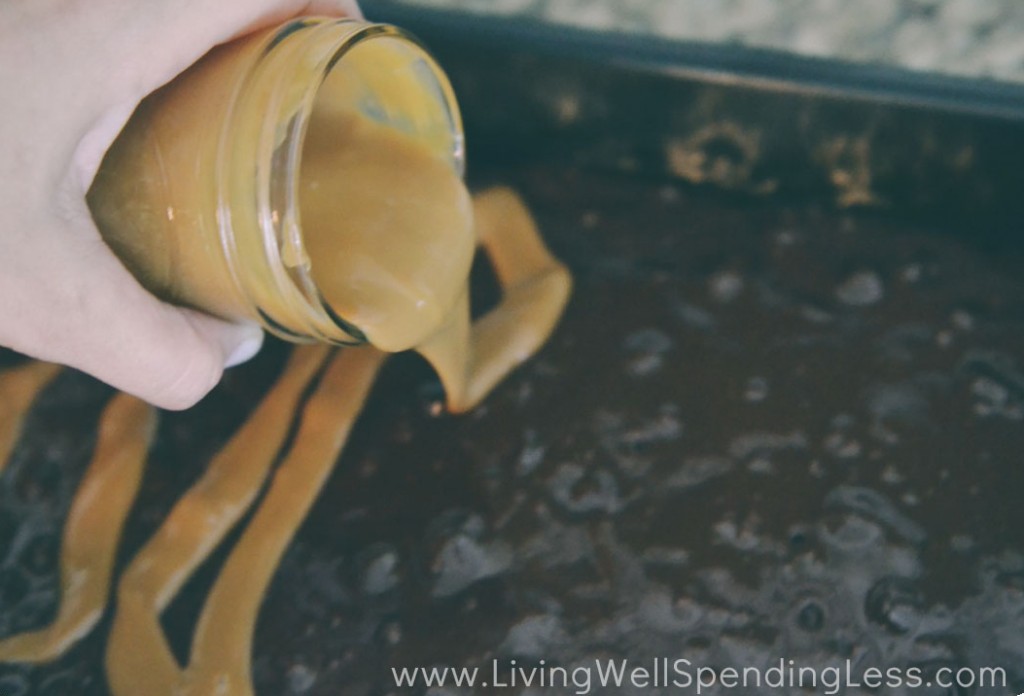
[[248, 341]]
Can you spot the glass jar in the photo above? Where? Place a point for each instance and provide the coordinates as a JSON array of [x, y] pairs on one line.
[[198, 195]]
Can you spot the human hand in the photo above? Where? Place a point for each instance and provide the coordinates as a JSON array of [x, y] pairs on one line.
[[71, 74]]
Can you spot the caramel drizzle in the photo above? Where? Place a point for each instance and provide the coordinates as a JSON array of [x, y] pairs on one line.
[[139, 660], [222, 650], [93, 530], [19, 387], [470, 359]]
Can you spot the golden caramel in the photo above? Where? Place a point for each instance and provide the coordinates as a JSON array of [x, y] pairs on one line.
[[387, 226], [138, 657], [93, 530], [19, 387]]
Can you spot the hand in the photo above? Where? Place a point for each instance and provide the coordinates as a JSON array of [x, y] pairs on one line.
[[71, 73]]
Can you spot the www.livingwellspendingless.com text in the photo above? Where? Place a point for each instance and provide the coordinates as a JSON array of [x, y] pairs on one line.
[[680, 673]]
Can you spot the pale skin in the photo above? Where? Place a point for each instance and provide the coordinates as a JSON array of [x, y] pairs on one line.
[[73, 72]]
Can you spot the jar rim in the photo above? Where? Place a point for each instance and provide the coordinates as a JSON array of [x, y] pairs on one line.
[[305, 51]]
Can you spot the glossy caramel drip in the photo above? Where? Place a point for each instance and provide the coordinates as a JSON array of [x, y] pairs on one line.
[[93, 530], [19, 387], [388, 228], [471, 360], [222, 648], [139, 659]]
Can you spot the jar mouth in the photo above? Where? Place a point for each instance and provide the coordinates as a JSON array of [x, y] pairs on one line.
[[307, 66]]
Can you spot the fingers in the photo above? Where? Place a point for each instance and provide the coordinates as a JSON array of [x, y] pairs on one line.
[[83, 309]]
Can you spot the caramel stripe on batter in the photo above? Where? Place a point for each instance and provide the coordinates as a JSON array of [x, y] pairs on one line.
[[19, 387], [93, 530], [139, 660], [222, 650]]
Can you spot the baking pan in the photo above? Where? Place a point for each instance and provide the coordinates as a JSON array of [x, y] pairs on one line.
[[782, 419], [758, 121]]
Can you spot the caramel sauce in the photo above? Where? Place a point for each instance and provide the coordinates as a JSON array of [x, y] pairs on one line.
[[388, 228], [19, 387], [93, 530]]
